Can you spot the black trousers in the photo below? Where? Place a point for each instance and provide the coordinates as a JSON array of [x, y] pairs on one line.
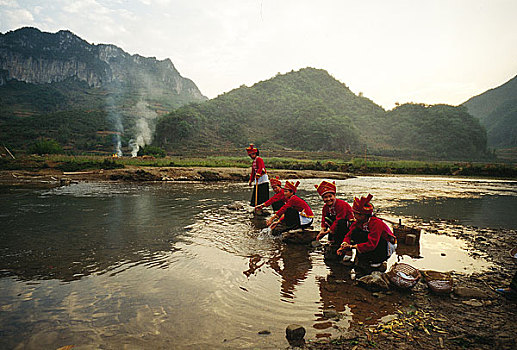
[[336, 238], [277, 205], [513, 283], [340, 231], [292, 219], [378, 255], [263, 194]]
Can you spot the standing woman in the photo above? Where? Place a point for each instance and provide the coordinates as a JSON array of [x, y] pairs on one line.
[[258, 177]]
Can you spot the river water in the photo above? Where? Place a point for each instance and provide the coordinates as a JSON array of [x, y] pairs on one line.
[[169, 265]]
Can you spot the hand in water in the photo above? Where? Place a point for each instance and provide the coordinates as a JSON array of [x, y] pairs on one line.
[[344, 246]]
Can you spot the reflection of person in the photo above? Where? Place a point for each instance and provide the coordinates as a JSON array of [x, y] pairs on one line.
[[369, 235], [291, 262], [278, 200], [254, 264], [258, 177], [335, 219], [295, 213]]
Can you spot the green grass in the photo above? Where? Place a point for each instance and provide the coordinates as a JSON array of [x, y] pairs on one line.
[[354, 165]]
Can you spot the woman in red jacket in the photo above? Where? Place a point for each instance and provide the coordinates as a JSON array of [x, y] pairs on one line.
[[294, 214], [369, 235], [278, 200], [258, 177], [336, 217]]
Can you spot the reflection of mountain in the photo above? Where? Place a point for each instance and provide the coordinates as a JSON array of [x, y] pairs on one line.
[[485, 211], [68, 237]]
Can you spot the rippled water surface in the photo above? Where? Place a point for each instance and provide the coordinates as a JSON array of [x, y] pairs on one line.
[[171, 266]]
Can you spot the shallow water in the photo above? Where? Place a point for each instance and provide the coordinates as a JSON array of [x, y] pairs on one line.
[[169, 265]]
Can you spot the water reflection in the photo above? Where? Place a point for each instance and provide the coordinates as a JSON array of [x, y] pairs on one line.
[[144, 265], [71, 232], [486, 211], [291, 262], [441, 253]]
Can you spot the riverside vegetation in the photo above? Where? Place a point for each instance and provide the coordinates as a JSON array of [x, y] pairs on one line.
[[351, 165]]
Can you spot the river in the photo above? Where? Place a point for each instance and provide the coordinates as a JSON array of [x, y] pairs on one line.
[[169, 265]]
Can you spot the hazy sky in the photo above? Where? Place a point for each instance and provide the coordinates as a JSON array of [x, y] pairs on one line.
[[432, 51]]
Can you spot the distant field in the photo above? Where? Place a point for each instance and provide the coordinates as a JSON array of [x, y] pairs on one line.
[[352, 165], [507, 154]]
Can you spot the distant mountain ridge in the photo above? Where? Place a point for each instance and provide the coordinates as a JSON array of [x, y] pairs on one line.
[[310, 110], [53, 85], [32, 56], [496, 109], [98, 98]]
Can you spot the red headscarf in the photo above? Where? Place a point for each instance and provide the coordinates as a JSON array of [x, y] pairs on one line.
[[290, 186], [363, 205], [325, 187], [251, 149], [275, 182]]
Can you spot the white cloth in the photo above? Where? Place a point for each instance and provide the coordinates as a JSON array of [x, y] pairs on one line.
[[391, 248], [262, 180], [305, 220]]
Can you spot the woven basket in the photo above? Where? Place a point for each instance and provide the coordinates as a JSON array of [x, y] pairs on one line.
[[513, 254], [401, 231], [403, 276], [438, 282]]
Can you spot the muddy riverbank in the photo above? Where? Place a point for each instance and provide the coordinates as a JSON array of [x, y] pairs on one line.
[[53, 177], [473, 316]]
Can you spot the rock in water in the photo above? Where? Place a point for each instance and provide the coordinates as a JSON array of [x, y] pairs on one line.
[[294, 333], [299, 236], [374, 282], [235, 206], [330, 313], [315, 244]]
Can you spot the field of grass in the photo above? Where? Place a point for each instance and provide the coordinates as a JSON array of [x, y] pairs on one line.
[[353, 165]]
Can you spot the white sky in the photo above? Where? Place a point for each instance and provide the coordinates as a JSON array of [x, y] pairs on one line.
[[429, 51]]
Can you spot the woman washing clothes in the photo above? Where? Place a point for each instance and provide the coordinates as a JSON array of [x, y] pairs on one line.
[[370, 236], [294, 214]]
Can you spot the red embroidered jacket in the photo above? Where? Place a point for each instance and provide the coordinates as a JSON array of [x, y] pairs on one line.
[[257, 167], [278, 197], [376, 229], [297, 203], [341, 209]]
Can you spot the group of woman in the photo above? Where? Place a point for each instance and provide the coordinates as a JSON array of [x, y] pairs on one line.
[[348, 227]]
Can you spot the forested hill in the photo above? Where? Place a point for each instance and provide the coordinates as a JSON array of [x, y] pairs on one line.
[[310, 110], [496, 109], [307, 109], [88, 97]]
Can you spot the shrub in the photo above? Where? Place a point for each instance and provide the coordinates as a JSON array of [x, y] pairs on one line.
[[152, 151], [49, 146]]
